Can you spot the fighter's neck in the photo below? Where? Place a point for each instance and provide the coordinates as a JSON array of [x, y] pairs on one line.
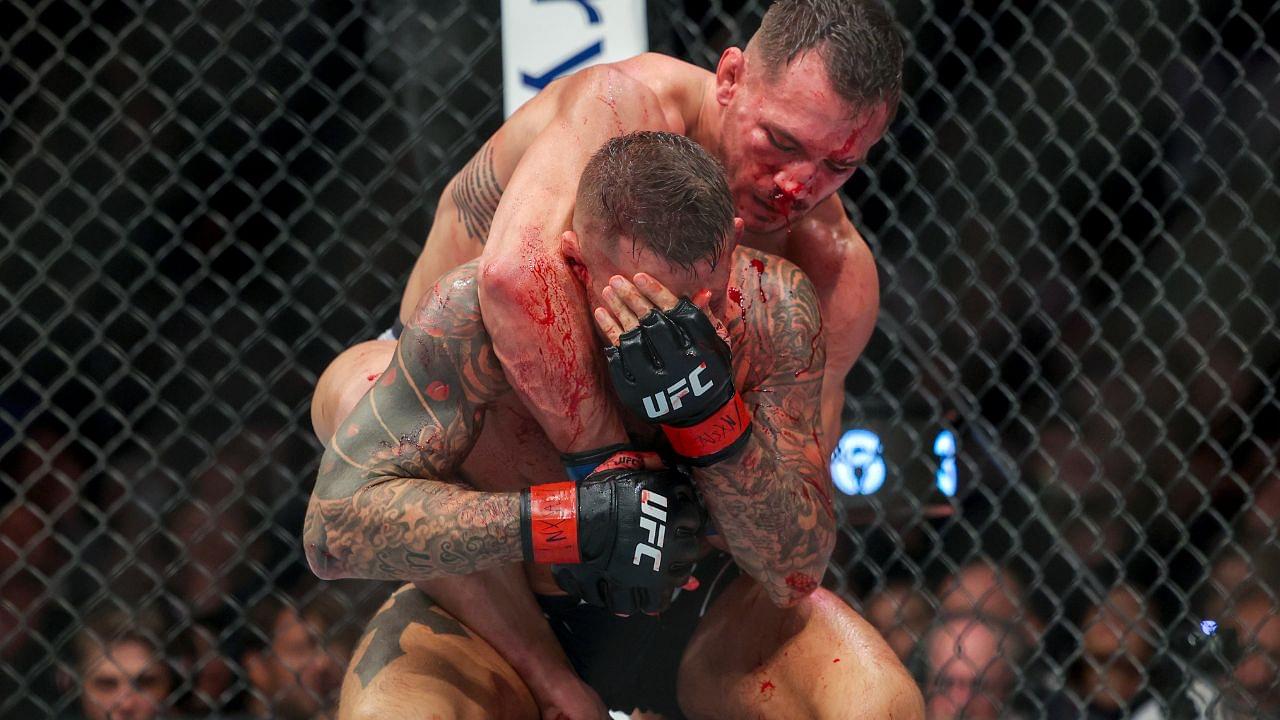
[[704, 127]]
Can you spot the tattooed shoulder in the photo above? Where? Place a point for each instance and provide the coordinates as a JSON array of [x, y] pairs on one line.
[[782, 326], [476, 193]]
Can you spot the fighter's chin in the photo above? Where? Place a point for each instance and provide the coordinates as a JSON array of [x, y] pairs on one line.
[[756, 221]]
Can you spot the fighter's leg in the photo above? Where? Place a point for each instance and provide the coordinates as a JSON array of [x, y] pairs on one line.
[[817, 659], [416, 662], [345, 381]]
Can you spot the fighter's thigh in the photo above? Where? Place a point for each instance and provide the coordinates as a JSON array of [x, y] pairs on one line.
[[345, 381], [804, 661], [416, 662]]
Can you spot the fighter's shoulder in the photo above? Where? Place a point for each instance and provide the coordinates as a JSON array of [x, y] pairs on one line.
[[828, 246], [843, 269], [452, 307], [766, 277], [781, 314]]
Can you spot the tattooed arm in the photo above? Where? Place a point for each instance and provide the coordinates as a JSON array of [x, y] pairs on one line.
[[386, 504], [772, 502]]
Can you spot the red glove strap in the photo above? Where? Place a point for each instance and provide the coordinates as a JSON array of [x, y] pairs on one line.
[[713, 434], [553, 513]]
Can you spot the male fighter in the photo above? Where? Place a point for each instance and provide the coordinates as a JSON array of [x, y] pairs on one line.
[[791, 118], [388, 502]]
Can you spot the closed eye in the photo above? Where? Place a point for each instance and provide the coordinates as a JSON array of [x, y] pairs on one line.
[[839, 168], [773, 140]]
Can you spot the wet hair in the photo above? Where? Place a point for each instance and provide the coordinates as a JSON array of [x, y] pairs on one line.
[[858, 40], [661, 190]]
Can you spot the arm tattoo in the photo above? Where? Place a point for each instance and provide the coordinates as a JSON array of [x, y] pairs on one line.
[[476, 193], [773, 501], [386, 503]]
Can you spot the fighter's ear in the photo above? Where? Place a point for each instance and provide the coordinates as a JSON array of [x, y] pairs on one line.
[[571, 251], [729, 74]]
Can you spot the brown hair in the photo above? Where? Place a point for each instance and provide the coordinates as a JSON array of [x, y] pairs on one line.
[[661, 190], [858, 41], [108, 627]]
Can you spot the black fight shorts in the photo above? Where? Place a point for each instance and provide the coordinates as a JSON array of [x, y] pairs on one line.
[[633, 662]]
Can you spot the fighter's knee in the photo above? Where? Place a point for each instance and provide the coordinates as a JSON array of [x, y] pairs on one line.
[[344, 382]]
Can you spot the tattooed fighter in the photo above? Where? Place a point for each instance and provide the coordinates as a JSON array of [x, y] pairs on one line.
[[390, 500]]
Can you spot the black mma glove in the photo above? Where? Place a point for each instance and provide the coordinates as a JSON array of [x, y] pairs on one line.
[[674, 369], [623, 539]]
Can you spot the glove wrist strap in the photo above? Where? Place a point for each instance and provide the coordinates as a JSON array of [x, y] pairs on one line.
[[552, 515], [579, 465], [717, 437]]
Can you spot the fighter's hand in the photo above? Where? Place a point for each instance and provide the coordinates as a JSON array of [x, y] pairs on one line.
[[626, 301], [571, 700], [622, 539], [670, 365]]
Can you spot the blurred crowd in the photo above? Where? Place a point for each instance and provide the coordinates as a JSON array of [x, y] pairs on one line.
[[212, 613]]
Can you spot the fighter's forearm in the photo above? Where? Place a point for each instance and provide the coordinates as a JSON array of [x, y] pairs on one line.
[[772, 502], [411, 529], [529, 296], [775, 515]]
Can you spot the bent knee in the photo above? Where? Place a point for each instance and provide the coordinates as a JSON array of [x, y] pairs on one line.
[[345, 381]]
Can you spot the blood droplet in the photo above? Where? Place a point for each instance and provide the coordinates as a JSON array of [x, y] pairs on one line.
[[758, 265], [766, 686], [735, 295], [438, 391], [371, 377], [801, 583]]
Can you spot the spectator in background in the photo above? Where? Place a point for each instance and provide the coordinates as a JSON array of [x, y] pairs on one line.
[[1254, 688], [984, 588], [970, 668], [1111, 676], [295, 668], [901, 614], [119, 666]]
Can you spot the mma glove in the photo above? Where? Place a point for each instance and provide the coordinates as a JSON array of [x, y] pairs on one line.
[[673, 369], [623, 539]]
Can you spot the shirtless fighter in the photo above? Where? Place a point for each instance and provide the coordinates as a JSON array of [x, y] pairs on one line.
[[390, 500]]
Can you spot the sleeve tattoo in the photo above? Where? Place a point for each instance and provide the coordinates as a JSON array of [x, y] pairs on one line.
[[476, 193], [772, 503], [387, 504]]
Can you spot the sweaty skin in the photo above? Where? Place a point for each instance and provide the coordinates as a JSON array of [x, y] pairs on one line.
[[516, 195], [787, 143], [392, 499]]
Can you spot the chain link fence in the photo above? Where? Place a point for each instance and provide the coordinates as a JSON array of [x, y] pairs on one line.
[[1075, 217]]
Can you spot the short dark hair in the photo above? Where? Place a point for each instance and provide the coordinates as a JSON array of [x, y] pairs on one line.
[[659, 189], [858, 40]]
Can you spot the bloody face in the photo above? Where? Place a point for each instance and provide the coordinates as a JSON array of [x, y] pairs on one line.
[[602, 258], [788, 141]]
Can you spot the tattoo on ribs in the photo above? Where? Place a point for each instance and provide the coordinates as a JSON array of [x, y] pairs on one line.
[[476, 193]]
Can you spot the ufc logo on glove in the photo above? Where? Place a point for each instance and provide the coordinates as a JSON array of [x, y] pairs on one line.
[[655, 406], [701, 414], [652, 520]]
